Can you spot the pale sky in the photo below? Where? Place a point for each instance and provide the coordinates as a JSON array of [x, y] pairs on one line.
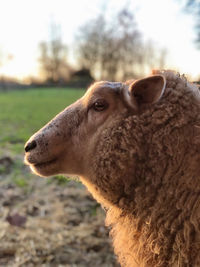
[[25, 23]]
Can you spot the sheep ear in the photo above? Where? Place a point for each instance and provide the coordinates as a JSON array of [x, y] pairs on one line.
[[148, 90]]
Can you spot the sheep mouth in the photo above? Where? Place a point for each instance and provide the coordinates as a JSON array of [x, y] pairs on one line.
[[44, 168], [44, 164], [32, 161]]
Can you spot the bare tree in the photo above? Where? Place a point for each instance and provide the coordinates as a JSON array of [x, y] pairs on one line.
[[89, 42], [131, 52], [115, 51], [153, 58], [53, 57], [109, 51]]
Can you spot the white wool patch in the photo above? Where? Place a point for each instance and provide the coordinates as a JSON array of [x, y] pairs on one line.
[[114, 85], [111, 85]]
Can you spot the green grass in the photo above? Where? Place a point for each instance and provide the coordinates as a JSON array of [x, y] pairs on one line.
[[23, 112]]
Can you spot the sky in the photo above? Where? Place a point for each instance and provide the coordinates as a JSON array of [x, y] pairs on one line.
[[25, 23]]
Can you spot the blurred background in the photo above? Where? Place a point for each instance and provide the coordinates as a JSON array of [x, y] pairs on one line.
[[50, 52]]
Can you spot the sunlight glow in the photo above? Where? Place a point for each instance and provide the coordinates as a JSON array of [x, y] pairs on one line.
[[23, 24], [165, 24]]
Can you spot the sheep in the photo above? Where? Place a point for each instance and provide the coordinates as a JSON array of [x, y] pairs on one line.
[[136, 147]]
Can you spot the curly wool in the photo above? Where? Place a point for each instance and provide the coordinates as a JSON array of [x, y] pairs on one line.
[[147, 174]]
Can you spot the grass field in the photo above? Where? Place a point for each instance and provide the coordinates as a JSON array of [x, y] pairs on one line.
[[23, 112]]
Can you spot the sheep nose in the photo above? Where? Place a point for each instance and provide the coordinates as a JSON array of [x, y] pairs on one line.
[[31, 145]]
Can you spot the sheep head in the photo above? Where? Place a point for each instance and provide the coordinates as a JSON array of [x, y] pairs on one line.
[[71, 142]]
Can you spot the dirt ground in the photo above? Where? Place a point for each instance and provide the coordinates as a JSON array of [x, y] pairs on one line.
[[47, 224]]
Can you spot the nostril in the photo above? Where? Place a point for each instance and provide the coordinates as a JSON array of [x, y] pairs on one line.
[[30, 146]]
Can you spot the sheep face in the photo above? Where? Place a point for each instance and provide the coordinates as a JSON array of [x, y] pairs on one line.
[[69, 143], [63, 145]]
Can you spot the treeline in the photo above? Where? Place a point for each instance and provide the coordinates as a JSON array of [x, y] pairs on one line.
[[116, 50], [104, 49]]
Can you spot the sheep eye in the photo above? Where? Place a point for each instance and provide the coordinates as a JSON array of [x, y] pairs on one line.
[[100, 105]]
